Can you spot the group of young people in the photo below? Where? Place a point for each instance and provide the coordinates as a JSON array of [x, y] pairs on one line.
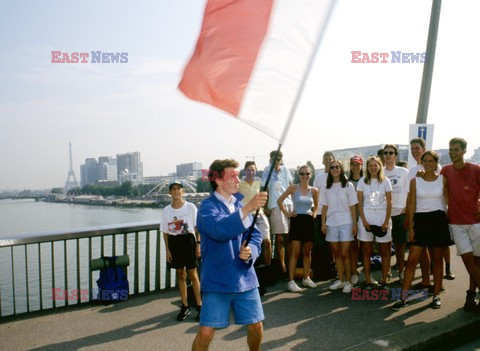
[[426, 207]]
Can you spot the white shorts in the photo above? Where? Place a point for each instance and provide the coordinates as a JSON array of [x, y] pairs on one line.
[[339, 233], [278, 222], [467, 238], [375, 217], [263, 226]]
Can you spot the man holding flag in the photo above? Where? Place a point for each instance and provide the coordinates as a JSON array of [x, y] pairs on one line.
[[251, 60], [228, 279]]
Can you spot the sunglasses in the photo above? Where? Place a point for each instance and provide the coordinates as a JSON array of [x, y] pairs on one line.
[[334, 167], [389, 152], [305, 174]]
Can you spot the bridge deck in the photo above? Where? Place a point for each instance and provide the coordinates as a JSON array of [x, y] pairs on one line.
[[317, 319]]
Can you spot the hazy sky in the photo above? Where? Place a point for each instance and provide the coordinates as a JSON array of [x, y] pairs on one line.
[[110, 108]]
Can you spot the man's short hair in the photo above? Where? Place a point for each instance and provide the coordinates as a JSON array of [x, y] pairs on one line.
[[391, 146], [273, 153], [217, 170], [249, 163], [419, 141], [459, 141], [328, 154]]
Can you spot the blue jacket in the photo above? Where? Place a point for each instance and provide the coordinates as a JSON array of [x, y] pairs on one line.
[[222, 235]]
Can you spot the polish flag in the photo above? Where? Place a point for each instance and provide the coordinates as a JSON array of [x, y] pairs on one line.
[[252, 58]]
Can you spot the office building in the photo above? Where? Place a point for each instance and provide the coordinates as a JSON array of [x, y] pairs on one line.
[[93, 171], [130, 167], [193, 169]]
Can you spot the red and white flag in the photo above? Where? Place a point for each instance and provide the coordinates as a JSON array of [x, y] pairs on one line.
[[252, 57]]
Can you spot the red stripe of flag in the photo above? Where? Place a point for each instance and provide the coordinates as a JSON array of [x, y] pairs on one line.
[[230, 39]]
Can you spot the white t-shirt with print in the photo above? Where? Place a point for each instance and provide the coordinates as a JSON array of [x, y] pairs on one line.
[[339, 200], [374, 193], [398, 176], [181, 220]]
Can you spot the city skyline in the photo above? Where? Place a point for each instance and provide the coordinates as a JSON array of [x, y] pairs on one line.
[[110, 108], [340, 154]]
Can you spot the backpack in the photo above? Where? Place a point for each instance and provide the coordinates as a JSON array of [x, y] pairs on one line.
[[113, 283]]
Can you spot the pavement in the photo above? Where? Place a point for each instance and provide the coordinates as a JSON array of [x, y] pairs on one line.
[[316, 319]]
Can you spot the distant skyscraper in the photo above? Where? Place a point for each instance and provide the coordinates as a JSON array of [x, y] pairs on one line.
[[189, 169], [443, 157], [130, 167], [476, 155], [103, 170], [71, 182]]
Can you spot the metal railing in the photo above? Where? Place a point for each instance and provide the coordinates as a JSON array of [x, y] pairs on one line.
[[49, 270]]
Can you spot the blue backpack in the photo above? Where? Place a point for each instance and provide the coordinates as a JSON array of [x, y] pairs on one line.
[[113, 282]]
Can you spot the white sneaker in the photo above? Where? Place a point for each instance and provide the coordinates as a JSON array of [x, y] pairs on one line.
[[307, 282], [347, 288], [337, 285], [293, 287], [354, 279]]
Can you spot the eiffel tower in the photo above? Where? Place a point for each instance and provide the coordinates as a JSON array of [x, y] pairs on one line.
[[71, 182]]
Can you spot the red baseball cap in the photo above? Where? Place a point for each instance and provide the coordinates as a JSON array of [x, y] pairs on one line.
[[357, 159]]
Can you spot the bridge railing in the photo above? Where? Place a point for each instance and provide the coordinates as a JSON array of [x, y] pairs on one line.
[[50, 270]]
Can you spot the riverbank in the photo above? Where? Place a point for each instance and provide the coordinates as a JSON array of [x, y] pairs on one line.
[[159, 201]]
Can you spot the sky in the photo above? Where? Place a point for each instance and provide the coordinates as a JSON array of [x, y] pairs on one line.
[[112, 108]]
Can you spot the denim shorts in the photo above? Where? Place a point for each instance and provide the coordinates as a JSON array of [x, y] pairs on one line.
[[246, 307], [339, 233]]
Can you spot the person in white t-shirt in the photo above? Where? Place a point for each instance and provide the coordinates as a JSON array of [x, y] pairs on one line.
[[182, 244], [398, 176], [320, 180], [356, 173], [339, 222], [279, 224], [375, 205]]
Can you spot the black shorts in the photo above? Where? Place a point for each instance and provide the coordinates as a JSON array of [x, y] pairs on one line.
[[399, 234], [431, 229], [302, 228], [182, 248]]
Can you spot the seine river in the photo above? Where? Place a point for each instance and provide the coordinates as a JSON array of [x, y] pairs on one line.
[[29, 216]]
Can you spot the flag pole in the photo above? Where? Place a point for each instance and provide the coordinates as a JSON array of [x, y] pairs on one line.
[[293, 110], [264, 188]]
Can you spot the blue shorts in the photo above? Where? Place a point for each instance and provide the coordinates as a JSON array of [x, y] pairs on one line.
[[246, 307], [339, 233]]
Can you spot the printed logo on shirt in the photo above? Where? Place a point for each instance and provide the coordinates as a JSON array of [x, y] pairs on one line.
[[178, 226]]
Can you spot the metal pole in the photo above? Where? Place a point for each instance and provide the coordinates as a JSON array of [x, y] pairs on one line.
[[424, 99], [264, 188]]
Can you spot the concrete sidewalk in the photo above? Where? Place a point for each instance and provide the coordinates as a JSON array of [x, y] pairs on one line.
[[317, 319]]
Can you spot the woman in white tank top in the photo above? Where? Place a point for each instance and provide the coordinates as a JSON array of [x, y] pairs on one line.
[[428, 226]]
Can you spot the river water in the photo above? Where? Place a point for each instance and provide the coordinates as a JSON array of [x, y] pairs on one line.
[[30, 218]]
